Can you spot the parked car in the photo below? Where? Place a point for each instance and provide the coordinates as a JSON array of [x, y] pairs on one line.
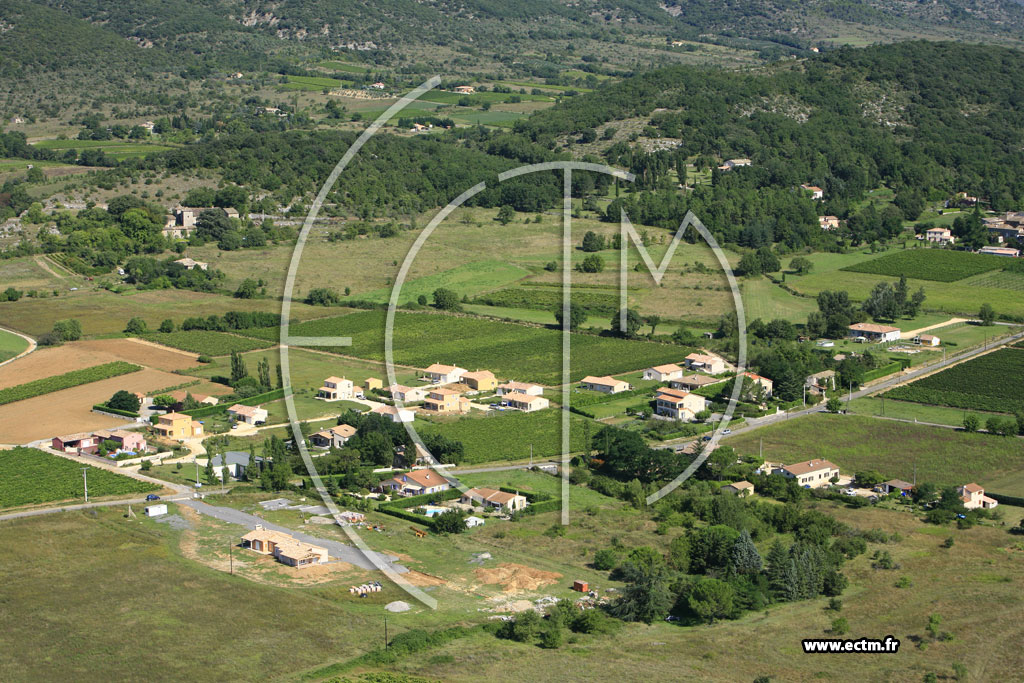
[[152, 496], [726, 431]]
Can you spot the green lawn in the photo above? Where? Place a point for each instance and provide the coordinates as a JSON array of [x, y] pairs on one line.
[[11, 345], [853, 442]]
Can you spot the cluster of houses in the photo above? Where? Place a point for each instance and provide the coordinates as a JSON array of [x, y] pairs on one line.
[[449, 384]]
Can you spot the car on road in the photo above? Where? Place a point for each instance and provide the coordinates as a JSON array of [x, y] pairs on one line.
[[152, 496], [726, 431]]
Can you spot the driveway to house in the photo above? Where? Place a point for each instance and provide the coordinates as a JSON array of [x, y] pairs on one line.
[[336, 549], [913, 333], [30, 349]]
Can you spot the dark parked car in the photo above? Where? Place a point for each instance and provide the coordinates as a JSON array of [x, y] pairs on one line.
[[152, 496]]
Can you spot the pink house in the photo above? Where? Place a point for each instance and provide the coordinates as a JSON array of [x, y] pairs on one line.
[[126, 440]]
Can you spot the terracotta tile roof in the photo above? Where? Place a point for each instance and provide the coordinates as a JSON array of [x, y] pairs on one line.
[[665, 369], [799, 468], [478, 375], [602, 381], [239, 409]]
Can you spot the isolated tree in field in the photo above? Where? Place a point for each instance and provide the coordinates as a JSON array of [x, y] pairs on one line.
[[592, 242], [987, 314], [124, 400], [263, 372], [653, 321], [633, 324], [505, 214], [577, 315], [711, 599], [592, 264], [446, 299], [322, 296], [68, 330], [238, 368], [247, 290], [801, 265], [422, 300], [971, 422], [167, 326], [834, 405], [136, 326]]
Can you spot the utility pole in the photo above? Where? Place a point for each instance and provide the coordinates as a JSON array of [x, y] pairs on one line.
[[531, 455], [805, 394], [231, 557], [385, 632], [85, 481]]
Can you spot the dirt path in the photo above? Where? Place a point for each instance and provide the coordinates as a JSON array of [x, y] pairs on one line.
[[169, 349], [913, 333], [46, 264], [30, 349]]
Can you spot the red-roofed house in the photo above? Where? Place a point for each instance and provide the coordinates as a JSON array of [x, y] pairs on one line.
[[973, 497], [416, 482], [810, 474], [248, 414], [607, 385], [480, 380], [335, 437], [678, 404], [335, 389], [445, 374], [501, 500], [526, 403], [873, 332]]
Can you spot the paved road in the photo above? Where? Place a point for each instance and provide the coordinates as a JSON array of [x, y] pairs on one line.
[[336, 549], [69, 508]]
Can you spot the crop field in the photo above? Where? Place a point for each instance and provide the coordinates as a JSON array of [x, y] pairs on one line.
[[67, 380], [508, 435], [315, 83], [939, 265], [548, 298], [907, 410], [345, 66], [11, 345], [991, 382], [444, 97], [28, 475], [1001, 279], [208, 342], [510, 351], [942, 456], [468, 279]]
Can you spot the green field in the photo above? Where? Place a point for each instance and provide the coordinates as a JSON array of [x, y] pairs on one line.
[[11, 345], [73, 378], [941, 456], [990, 382], [765, 300], [444, 97], [507, 435], [468, 279], [508, 350], [29, 475], [1002, 279], [207, 342], [940, 265], [344, 66]]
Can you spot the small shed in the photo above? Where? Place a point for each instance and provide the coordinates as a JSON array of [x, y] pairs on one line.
[[156, 510], [580, 586]]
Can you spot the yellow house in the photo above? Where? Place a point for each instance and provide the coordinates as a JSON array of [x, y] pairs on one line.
[[374, 383], [446, 401], [481, 380], [178, 426]]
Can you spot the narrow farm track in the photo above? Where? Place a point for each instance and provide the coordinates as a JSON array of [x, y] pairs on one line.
[[31, 345]]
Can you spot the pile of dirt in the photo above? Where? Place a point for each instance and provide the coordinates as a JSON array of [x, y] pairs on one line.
[[397, 606], [504, 606], [516, 577]]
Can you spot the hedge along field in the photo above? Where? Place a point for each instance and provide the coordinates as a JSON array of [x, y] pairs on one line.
[[509, 351], [74, 378], [508, 435], [29, 475], [209, 343], [939, 265], [991, 382]]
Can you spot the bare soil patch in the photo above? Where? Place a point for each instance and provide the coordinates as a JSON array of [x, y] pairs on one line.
[[516, 577], [420, 579], [70, 410]]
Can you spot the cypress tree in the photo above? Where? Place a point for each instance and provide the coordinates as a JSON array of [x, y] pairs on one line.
[[744, 556]]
